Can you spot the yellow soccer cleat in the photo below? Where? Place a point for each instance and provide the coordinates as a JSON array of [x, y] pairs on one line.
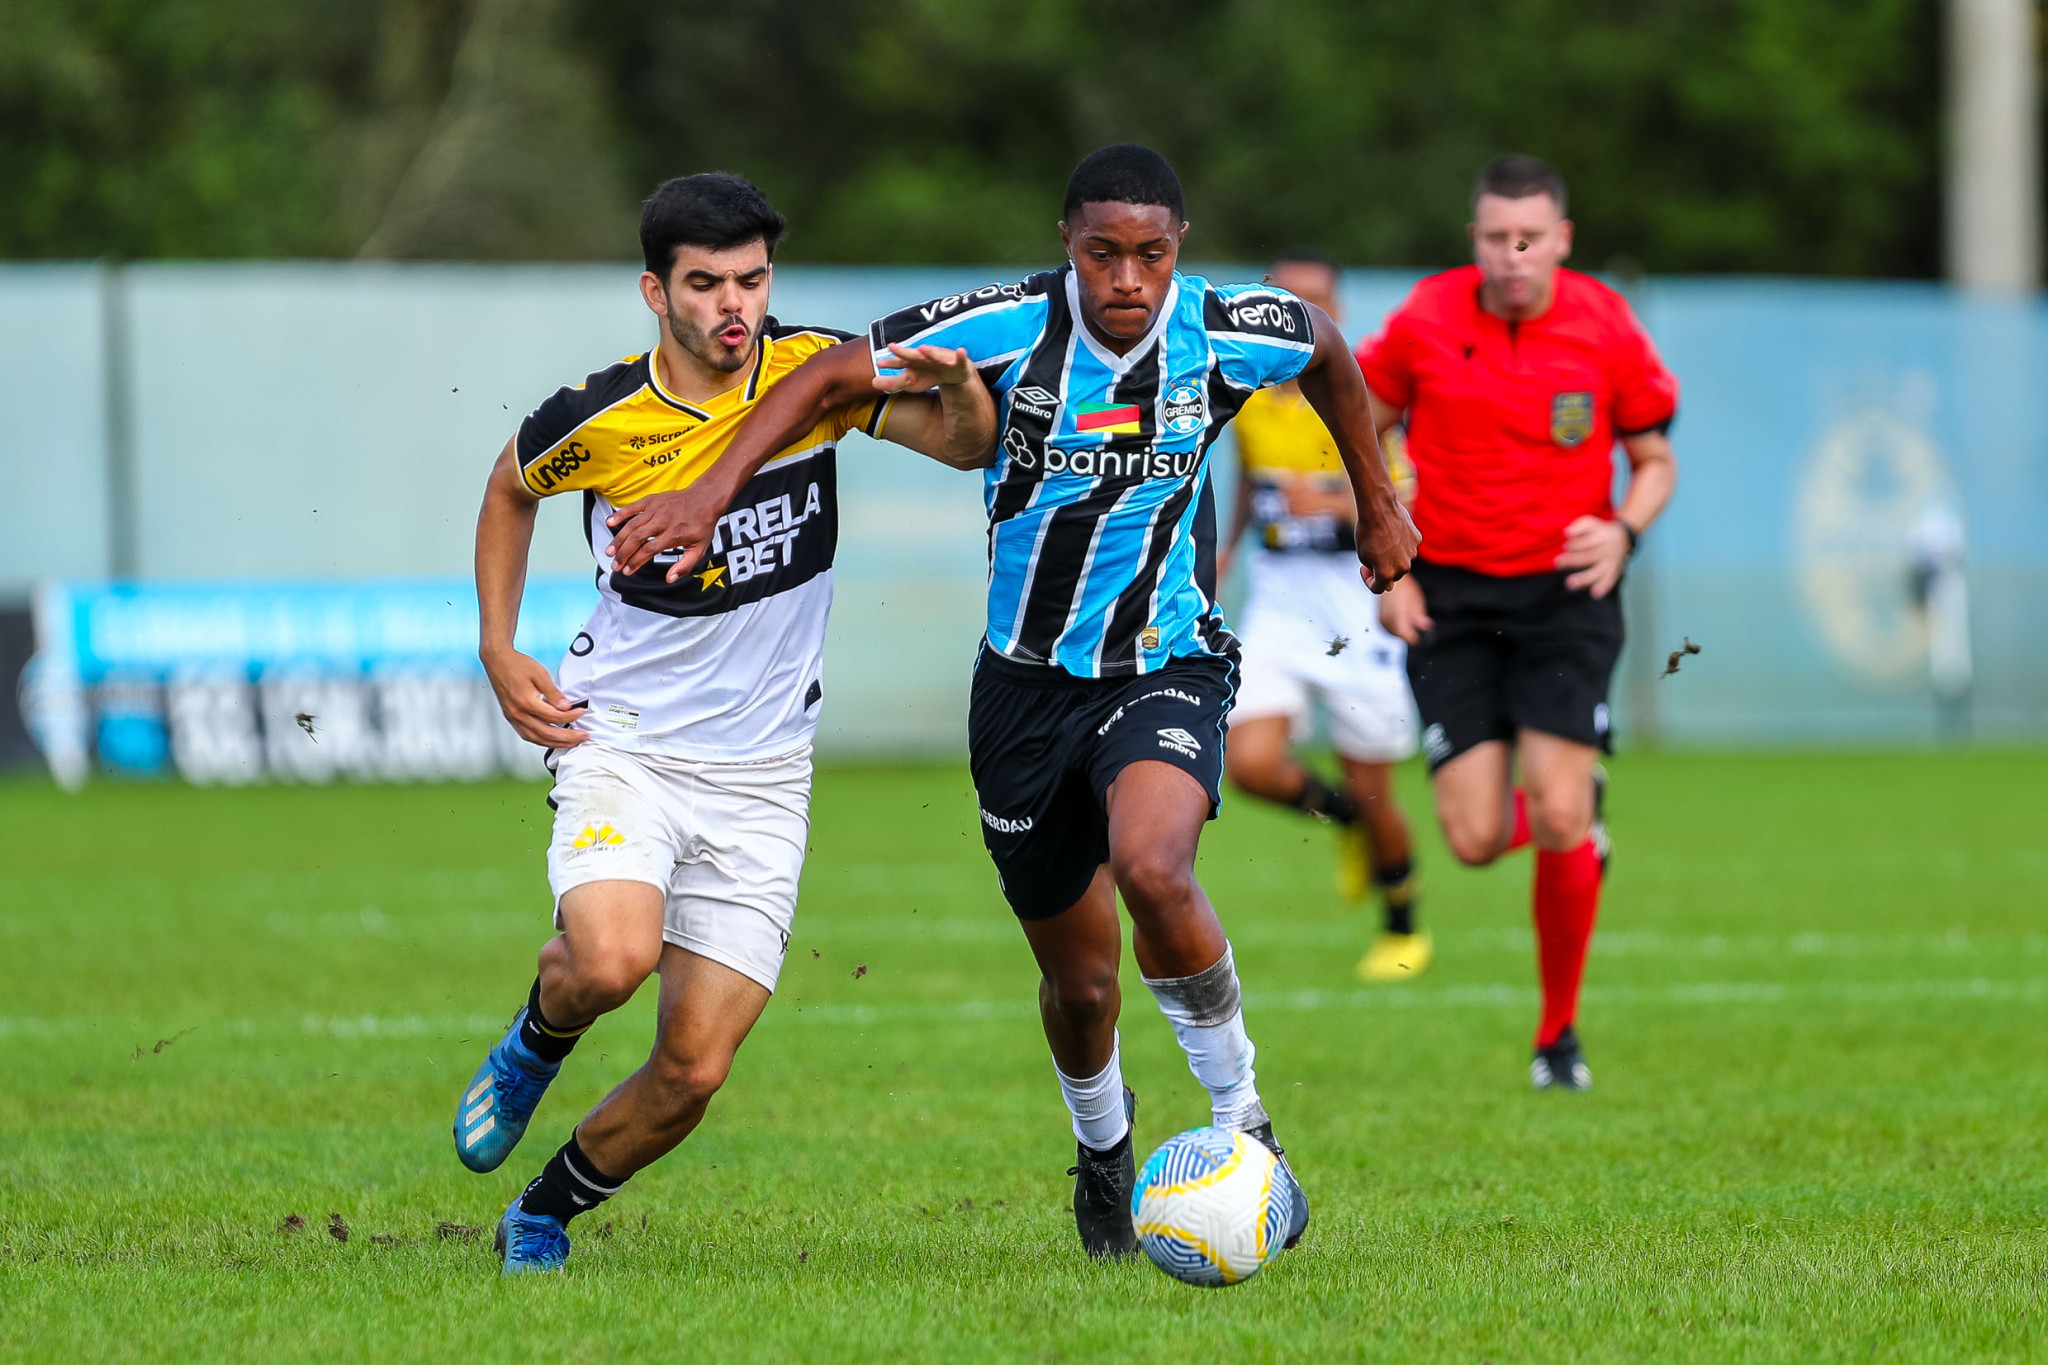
[[1396, 957], [1354, 863]]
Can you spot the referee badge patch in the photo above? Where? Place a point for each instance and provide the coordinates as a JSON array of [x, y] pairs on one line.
[[1571, 418]]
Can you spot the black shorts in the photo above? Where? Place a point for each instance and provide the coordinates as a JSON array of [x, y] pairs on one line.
[[1511, 653], [1045, 745]]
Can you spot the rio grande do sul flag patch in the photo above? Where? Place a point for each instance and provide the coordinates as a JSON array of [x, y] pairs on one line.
[[1113, 419]]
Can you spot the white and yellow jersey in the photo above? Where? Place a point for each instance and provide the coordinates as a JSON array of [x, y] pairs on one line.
[[1305, 591], [725, 665]]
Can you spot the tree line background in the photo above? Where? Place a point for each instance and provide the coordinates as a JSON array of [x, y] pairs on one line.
[[1798, 136]]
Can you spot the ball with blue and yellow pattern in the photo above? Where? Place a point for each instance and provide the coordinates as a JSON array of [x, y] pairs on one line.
[[1207, 1208]]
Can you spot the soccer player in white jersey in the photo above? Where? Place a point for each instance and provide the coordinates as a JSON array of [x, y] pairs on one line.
[[679, 733], [1312, 635], [1095, 732]]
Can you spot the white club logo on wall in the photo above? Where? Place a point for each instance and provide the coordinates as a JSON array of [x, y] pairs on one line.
[[1868, 481], [1183, 413]]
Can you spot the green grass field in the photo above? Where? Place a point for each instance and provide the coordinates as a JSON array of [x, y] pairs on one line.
[[1816, 1017]]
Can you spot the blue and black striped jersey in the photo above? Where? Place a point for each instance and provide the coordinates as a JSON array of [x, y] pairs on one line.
[[1102, 517]]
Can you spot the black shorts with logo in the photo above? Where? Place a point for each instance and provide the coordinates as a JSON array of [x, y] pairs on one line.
[[1045, 745], [1507, 653]]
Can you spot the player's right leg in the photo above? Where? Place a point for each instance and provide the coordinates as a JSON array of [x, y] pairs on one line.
[[610, 859], [1079, 999], [1044, 830], [1475, 801]]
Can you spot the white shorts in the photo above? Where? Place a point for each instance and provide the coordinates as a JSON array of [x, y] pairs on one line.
[[723, 841], [1302, 606]]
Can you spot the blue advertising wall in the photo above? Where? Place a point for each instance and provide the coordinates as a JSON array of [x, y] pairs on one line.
[[271, 424]]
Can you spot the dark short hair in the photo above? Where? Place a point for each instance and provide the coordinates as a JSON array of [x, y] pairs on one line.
[[1307, 255], [1124, 173], [712, 210], [1517, 177]]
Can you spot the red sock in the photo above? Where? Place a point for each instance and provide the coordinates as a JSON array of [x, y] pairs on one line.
[[1567, 900], [1521, 831]]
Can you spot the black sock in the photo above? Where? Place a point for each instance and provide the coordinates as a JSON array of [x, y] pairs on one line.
[[1331, 803], [543, 1039], [1397, 893], [568, 1185]]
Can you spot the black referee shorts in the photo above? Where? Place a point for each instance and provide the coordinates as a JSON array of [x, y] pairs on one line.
[[1508, 653], [1044, 746]]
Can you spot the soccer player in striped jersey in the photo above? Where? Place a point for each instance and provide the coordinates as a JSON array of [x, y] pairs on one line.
[[1097, 721]]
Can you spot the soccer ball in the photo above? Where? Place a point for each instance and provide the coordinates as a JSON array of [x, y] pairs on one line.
[[1207, 1209]]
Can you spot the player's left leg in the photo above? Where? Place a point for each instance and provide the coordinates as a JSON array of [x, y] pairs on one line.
[[1564, 649], [1156, 812], [1560, 778], [1403, 950], [1372, 727], [706, 1012]]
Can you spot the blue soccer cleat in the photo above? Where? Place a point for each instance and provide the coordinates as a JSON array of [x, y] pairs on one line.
[[530, 1243], [499, 1101], [1283, 1176]]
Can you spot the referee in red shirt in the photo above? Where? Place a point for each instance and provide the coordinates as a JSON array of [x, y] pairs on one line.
[[1515, 378]]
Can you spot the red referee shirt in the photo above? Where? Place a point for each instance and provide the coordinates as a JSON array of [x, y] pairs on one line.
[[1511, 426]]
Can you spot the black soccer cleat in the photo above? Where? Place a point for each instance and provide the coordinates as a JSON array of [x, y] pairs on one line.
[[1103, 1182], [1561, 1066], [1297, 1222]]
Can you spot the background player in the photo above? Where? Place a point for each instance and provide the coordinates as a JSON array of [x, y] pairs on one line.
[[1096, 726], [1517, 377], [1311, 633], [682, 766]]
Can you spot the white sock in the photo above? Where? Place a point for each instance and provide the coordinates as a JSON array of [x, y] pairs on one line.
[[1097, 1103], [1207, 1014]]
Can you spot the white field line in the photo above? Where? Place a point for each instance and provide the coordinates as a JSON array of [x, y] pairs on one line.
[[2030, 991], [479, 1027], [1246, 930], [1606, 943]]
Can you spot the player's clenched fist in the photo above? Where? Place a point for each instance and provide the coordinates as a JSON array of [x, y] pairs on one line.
[[1387, 541], [530, 700], [682, 520]]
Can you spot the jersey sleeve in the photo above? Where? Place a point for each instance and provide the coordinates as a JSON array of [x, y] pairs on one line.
[[1261, 335], [995, 324], [1388, 359], [1645, 392], [552, 457], [866, 417]]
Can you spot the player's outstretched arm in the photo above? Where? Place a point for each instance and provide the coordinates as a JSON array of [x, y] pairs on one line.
[[684, 520], [1335, 388], [955, 424], [504, 535]]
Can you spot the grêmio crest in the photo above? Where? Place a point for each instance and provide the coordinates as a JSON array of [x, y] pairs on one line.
[[1571, 418]]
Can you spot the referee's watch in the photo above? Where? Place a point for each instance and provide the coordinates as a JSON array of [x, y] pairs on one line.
[[1632, 534]]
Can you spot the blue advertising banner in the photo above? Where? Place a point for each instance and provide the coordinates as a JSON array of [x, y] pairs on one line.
[[299, 682]]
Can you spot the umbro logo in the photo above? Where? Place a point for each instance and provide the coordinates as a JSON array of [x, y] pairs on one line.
[[1180, 741], [1039, 402], [598, 836]]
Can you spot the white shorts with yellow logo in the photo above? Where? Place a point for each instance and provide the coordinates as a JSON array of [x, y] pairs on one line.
[[1311, 633], [723, 841]]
